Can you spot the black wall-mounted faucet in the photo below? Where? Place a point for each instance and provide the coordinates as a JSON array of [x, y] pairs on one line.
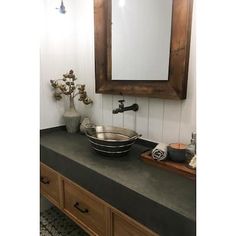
[[122, 108]]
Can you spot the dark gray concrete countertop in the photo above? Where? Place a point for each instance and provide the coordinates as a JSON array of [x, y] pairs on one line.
[[172, 195]]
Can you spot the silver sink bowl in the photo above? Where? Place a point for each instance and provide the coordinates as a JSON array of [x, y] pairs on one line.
[[111, 141]]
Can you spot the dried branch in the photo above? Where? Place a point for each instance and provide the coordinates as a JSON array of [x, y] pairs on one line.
[[68, 87]]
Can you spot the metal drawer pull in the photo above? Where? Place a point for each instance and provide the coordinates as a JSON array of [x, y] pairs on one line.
[[81, 210], [44, 180]]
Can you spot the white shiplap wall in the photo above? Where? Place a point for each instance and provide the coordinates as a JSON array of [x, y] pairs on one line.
[[157, 119]]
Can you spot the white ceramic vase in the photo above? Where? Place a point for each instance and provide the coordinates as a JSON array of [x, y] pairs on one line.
[[72, 118]]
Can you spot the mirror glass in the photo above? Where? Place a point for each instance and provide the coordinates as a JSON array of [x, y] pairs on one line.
[[141, 32]]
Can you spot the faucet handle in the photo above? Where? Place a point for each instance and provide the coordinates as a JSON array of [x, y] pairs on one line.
[[121, 101]]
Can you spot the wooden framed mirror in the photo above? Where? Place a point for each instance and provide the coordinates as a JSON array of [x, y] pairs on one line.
[[175, 85]]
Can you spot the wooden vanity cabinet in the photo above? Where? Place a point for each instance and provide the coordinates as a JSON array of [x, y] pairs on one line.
[[84, 207], [123, 225], [94, 215], [49, 184]]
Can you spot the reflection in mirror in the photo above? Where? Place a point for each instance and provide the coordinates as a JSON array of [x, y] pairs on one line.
[[141, 33]]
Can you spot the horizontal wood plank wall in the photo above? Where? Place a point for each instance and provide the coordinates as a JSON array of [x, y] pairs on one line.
[[157, 119]]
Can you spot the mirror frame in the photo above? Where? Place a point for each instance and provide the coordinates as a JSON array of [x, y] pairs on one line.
[[176, 85]]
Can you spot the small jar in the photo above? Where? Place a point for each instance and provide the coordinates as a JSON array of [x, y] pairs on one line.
[[191, 148]]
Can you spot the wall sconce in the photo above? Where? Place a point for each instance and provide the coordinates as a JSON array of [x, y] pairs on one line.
[[62, 8]]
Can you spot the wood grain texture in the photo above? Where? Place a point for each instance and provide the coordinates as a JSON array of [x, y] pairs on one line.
[[179, 168], [175, 87], [125, 226], [61, 192], [95, 218], [99, 220], [49, 186]]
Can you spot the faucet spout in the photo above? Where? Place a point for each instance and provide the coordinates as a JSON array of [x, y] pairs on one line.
[[122, 108], [133, 107], [116, 111]]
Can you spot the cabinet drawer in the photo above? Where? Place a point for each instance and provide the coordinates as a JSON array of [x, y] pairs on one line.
[[125, 226], [49, 183], [85, 208]]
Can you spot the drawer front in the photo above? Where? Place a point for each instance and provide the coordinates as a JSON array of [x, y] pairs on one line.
[[85, 208], [49, 183], [125, 226]]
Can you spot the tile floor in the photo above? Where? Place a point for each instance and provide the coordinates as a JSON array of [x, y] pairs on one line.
[[54, 223]]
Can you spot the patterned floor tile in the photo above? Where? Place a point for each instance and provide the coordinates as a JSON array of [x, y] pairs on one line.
[[54, 223]]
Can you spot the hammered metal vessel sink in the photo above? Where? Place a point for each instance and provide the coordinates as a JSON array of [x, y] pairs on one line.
[[111, 141]]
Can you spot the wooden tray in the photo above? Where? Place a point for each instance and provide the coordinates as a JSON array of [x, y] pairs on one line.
[[179, 168]]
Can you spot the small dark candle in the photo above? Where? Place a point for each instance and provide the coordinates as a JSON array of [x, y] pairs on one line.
[[177, 152]]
